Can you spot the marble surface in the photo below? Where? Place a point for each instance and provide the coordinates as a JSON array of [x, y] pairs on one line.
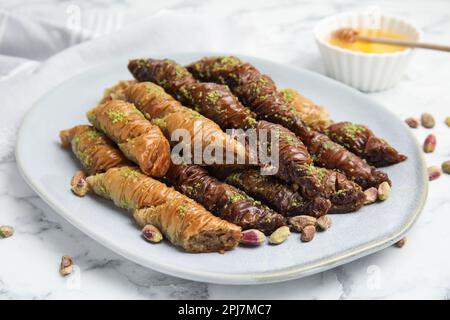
[[421, 269]]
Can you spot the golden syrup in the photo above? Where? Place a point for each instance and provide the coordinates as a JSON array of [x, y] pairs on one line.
[[369, 47]]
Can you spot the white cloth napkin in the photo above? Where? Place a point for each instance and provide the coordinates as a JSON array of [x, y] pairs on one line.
[[24, 78]]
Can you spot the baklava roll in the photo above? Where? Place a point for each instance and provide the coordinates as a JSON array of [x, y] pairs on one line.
[[277, 195], [140, 141], [331, 155], [183, 221], [259, 92], [224, 200], [94, 150], [166, 112], [362, 141]]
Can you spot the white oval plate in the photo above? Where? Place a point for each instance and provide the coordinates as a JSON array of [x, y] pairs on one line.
[[48, 168]]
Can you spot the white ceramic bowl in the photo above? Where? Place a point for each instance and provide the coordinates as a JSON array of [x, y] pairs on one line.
[[367, 72]]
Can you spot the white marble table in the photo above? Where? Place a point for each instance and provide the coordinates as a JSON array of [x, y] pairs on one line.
[[421, 269]]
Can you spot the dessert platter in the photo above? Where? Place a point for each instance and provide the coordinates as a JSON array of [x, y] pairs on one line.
[[102, 150]]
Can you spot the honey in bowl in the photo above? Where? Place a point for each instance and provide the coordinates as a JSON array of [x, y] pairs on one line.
[[369, 47]]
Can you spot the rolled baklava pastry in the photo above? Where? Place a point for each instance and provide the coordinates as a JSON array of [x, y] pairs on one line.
[[277, 195], [183, 221], [224, 200], [362, 141], [163, 110], [140, 141], [94, 150], [331, 155], [259, 92]]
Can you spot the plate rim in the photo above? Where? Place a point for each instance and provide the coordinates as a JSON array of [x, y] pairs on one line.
[[248, 278]]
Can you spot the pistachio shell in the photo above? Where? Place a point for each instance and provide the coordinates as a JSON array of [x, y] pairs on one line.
[[308, 233], [427, 120], [6, 231], [279, 235]]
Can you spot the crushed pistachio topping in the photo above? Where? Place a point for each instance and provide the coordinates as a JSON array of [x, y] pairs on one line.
[[162, 82], [196, 114], [288, 95], [224, 63], [234, 176], [339, 192], [328, 145], [116, 116], [265, 97], [180, 71], [93, 134], [101, 190], [84, 158], [237, 197], [197, 185], [229, 61], [159, 122], [128, 172], [186, 94], [251, 121], [262, 82], [213, 96], [76, 140], [290, 139], [294, 202], [181, 210], [258, 203], [351, 130], [316, 171]]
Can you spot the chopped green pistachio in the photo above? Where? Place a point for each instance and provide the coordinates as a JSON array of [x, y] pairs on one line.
[[181, 210], [288, 95], [213, 96], [101, 190], [159, 122], [93, 134], [351, 130], [316, 171], [116, 116], [128, 172], [179, 70], [328, 145], [288, 138], [196, 114], [237, 197], [251, 121]]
